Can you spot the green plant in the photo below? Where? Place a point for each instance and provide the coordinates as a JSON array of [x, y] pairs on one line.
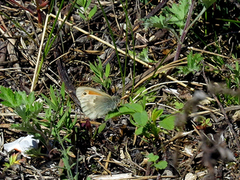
[[65, 161], [100, 76], [232, 82], [179, 105], [84, 11], [23, 105], [12, 161], [205, 122], [139, 117], [56, 115], [45, 128], [143, 55], [193, 64], [236, 74], [175, 16], [158, 165]]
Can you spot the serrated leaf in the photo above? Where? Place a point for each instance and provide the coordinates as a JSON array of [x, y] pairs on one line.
[[179, 13], [21, 98], [8, 96], [158, 22], [144, 55], [21, 111]]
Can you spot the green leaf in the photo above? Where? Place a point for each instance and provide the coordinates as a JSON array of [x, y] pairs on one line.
[[81, 15], [49, 102], [114, 113], [139, 131], [179, 13], [156, 114], [176, 15], [21, 98], [161, 165], [152, 157], [132, 53], [178, 105], [88, 4], [140, 90], [96, 69], [81, 2], [8, 96], [101, 127], [193, 63], [133, 122], [107, 83], [126, 110], [208, 3], [21, 111], [96, 79], [31, 98], [158, 22], [92, 12], [35, 109], [70, 125], [101, 77], [53, 97], [144, 55], [107, 70], [63, 119], [168, 123], [134, 106], [141, 118], [63, 90]]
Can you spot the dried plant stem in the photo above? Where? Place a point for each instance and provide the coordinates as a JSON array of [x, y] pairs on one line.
[[185, 30], [35, 76], [104, 42], [207, 52]]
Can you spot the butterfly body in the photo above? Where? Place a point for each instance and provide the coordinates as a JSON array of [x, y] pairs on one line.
[[94, 103]]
